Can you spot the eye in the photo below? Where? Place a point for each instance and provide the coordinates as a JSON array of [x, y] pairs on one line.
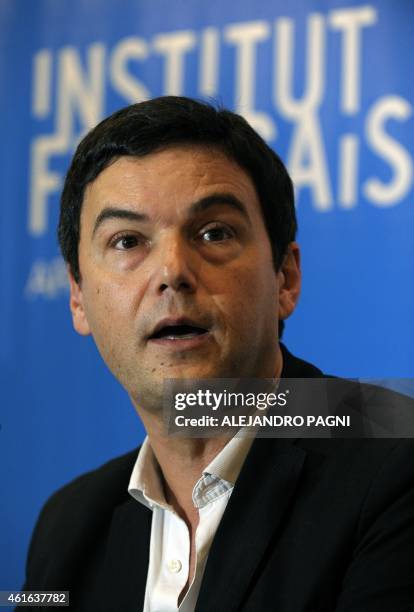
[[125, 242], [217, 233]]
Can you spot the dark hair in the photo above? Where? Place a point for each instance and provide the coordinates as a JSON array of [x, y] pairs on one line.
[[146, 127]]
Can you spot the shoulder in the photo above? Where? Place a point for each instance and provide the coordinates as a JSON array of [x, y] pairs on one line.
[[107, 482], [367, 465], [77, 515], [369, 475]]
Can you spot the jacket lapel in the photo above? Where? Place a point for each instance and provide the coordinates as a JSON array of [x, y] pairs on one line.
[[252, 520], [255, 512], [127, 557]]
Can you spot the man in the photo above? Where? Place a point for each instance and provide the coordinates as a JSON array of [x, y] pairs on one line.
[[178, 227]]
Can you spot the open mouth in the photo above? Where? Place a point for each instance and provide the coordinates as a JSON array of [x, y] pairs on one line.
[[178, 332]]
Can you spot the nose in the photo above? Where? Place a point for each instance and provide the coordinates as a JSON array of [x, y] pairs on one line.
[[176, 266]]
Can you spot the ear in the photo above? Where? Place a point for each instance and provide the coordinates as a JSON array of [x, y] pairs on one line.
[[80, 322], [289, 277]]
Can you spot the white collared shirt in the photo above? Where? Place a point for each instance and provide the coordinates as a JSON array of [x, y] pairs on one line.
[[169, 558]]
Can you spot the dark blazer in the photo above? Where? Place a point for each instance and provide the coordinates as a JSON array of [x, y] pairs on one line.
[[313, 525]]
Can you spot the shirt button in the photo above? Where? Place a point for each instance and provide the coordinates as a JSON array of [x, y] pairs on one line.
[[175, 566]]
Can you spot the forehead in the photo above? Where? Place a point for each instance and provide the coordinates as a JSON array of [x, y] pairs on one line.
[[169, 181]]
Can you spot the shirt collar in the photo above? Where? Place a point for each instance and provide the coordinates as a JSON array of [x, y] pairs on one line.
[[145, 484], [218, 477], [228, 462]]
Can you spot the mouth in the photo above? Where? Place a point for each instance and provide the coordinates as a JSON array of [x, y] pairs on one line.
[[178, 332], [182, 333]]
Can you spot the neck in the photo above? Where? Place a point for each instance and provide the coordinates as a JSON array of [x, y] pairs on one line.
[[182, 461]]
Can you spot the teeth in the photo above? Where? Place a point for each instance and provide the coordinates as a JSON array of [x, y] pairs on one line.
[[181, 336]]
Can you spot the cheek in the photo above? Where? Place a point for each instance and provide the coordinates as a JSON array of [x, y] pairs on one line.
[[107, 310], [249, 301], [110, 326]]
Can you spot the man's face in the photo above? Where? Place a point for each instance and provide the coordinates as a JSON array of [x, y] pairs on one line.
[[177, 272]]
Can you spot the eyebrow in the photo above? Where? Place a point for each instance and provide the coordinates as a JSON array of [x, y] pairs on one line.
[[112, 212], [215, 199]]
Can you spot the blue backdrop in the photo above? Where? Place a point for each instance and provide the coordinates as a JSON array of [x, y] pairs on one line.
[[329, 84]]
